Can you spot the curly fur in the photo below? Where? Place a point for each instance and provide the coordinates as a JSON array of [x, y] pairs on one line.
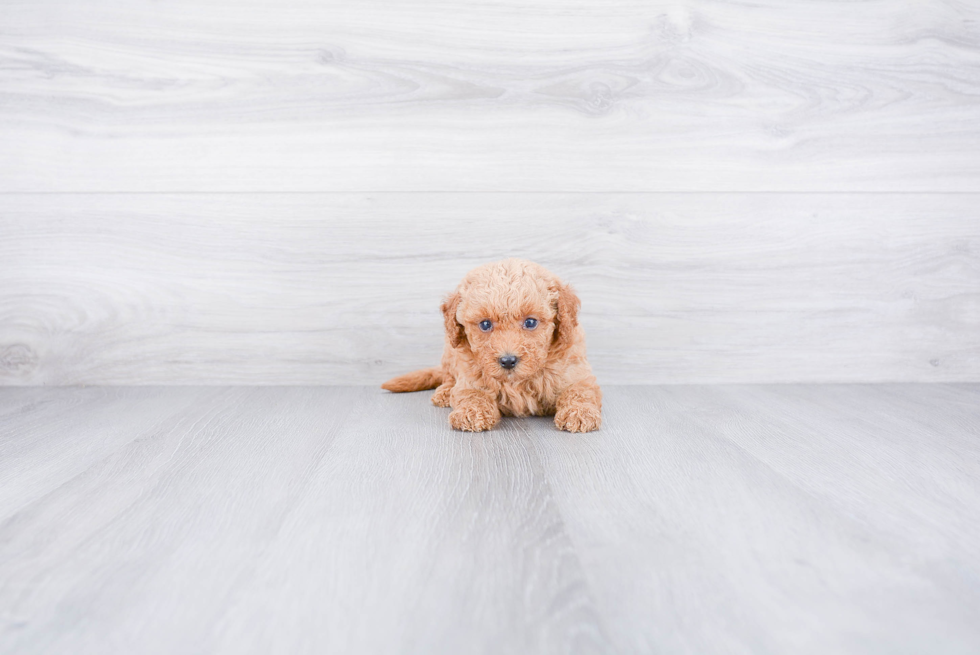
[[552, 375]]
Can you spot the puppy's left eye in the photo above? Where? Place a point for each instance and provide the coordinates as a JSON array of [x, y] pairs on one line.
[[485, 325], [530, 323]]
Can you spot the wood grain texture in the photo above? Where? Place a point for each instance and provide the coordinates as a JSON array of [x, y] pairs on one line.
[[804, 519], [280, 520], [740, 519], [617, 95], [345, 288]]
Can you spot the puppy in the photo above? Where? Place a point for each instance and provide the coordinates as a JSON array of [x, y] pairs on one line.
[[514, 348]]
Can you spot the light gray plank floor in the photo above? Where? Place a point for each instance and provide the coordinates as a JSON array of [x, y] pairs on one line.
[[742, 519]]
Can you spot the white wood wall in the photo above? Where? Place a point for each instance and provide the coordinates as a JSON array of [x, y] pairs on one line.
[[279, 192]]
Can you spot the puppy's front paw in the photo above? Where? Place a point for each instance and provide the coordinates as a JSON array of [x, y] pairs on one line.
[[472, 417], [441, 396], [578, 418]]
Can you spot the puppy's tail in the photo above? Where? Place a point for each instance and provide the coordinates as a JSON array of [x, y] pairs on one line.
[[427, 378]]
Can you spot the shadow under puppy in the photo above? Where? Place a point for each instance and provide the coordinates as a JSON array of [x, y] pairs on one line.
[[514, 348]]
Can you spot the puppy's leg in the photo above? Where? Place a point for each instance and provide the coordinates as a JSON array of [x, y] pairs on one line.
[[579, 408], [441, 396], [473, 410]]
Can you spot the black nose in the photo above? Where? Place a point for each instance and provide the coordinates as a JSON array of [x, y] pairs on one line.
[[507, 361]]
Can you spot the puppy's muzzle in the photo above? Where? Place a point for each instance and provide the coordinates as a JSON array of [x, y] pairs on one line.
[[507, 361]]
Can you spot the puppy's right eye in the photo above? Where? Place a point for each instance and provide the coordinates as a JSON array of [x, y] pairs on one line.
[[485, 325]]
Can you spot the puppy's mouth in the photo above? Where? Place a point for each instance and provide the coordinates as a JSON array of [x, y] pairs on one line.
[[515, 371]]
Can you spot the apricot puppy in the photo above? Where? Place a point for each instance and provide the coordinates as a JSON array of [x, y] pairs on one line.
[[514, 348]]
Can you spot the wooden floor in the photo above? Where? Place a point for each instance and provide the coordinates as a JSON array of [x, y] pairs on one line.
[[700, 519]]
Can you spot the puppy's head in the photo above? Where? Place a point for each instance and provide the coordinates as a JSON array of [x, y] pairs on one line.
[[513, 316]]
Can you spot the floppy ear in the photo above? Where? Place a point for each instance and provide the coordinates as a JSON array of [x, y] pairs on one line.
[[566, 316], [455, 331]]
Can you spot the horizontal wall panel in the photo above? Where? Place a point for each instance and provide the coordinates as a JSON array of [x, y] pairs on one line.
[[345, 288], [619, 95]]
